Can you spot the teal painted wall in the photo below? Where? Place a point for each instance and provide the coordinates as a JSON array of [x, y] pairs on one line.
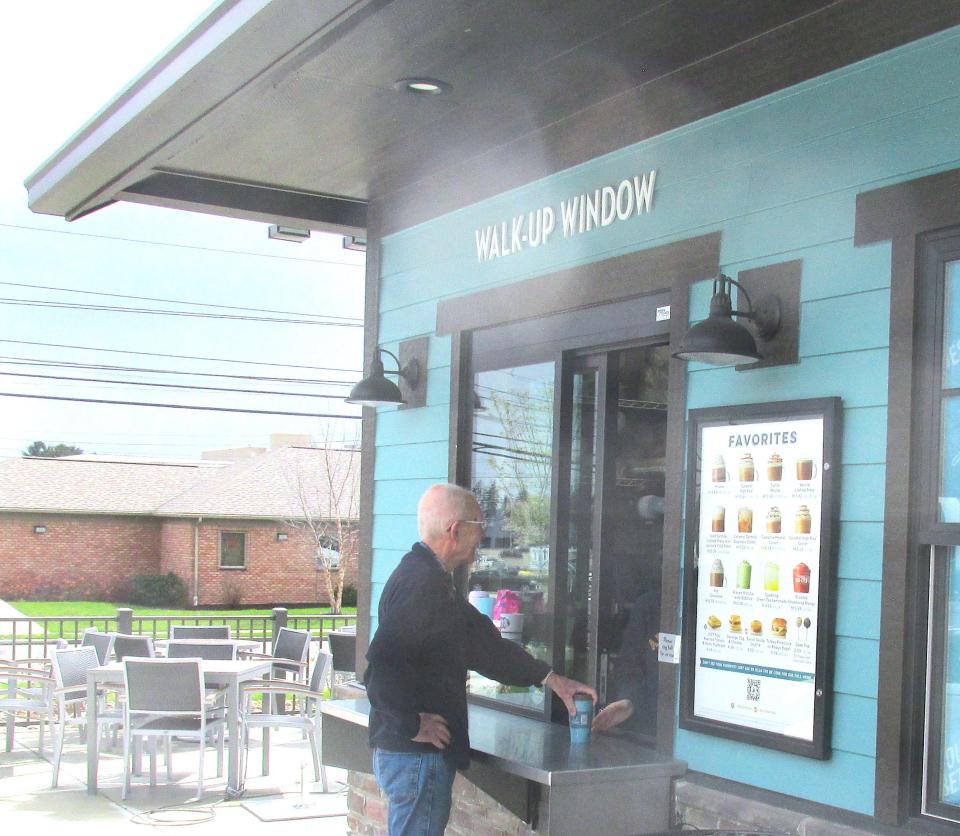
[[778, 179]]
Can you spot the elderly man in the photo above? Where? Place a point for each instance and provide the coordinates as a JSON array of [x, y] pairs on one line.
[[427, 639]]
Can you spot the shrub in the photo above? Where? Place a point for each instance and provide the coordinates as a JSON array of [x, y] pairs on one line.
[[158, 590], [349, 598]]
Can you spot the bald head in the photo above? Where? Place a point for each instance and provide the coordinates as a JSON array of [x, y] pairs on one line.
[[442, 505]]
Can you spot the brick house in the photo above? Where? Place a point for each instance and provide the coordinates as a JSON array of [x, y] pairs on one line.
[[236, 533]]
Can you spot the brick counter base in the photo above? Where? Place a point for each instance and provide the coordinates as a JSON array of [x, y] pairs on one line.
[[474, 812], [707, 808]]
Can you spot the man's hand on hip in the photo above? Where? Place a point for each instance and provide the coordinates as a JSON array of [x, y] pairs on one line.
[[566, 688], [433, 729]]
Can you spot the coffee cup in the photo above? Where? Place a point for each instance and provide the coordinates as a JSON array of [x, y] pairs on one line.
[[718, 472], [511, 622], [771, 577], [774, 468], [582, 721], [745, 520], [717, 577], [718, 520], [801, 578], [806, 470], [773, 520], [747, 470], [803, 521]]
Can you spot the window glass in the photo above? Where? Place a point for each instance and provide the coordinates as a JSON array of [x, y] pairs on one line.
[[951, 326], [950, 689], [949, 494], [232, 550], [950, 461], [511, 468]]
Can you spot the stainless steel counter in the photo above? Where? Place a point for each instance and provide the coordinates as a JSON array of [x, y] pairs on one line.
[[532, 768]]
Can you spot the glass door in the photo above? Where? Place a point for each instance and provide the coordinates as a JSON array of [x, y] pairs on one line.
[[610, 489]]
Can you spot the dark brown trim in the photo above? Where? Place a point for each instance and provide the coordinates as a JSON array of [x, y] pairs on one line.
[[368, 447], [601, 282], [839, 34], [414, 351], [459, 412], [218, 196], [901, 213], [667, 697], [782, 279], [907, 209]]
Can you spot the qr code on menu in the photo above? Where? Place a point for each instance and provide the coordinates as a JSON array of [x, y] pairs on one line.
[[753, 689]]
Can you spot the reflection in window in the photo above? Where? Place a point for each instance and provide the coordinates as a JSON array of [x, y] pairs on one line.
[[950, 744], [950, 409], [511, 476]]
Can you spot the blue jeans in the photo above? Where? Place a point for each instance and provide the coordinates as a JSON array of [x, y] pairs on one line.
[[418, 786]]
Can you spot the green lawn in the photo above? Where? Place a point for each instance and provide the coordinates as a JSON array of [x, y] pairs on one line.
[[86, 613], [100, 609]]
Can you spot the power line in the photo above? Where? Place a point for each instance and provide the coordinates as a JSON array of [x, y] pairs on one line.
[[37, 361], [77, 306], [180, 406], [167, 385], [179, 246], [176, 301], [182, 356]]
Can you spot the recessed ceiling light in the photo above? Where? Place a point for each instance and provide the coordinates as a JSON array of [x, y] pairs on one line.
[[422, 86]]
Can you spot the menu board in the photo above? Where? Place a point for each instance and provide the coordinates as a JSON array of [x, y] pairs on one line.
[[763, 515]]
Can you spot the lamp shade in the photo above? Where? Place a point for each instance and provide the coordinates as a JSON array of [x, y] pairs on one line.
[[375, 390], [719, 341]]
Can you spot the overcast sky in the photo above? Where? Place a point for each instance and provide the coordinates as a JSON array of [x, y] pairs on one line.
[[60, 62]]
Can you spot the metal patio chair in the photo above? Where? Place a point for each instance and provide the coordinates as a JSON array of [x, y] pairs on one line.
[[126, 647], [101, 642], [307, 720], [165, 698], [26, 687], [70, 677], [343, 646], [200, 631], [290, 653], [183, 648]]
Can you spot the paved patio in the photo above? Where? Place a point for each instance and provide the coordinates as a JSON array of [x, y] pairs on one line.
[[26, 799]]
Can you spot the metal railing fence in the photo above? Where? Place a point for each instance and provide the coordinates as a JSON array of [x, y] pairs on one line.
[[22, 638]]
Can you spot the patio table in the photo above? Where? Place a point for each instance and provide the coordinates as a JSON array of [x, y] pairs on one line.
[[217, 673]]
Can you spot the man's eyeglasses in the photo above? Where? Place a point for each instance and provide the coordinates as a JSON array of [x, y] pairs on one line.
[[481, 523]]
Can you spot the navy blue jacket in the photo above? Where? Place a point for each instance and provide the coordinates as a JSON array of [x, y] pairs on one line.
[[427, 639]]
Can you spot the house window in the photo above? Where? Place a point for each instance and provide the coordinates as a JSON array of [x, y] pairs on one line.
[[938, 443], [233, 550]]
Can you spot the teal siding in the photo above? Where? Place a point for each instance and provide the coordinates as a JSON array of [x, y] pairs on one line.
[[856, 666], [861, 550], [865, 435], [846, 779], [778, 179]]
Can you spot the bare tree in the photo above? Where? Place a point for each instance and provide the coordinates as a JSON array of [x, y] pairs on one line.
[[327, 499]]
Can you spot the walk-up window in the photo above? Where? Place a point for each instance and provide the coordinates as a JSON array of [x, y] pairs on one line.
[[567, 436]]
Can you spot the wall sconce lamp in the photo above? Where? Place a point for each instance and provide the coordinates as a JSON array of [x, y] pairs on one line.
[[376, 390], [282, 537], [719, 340], [39, 529]]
